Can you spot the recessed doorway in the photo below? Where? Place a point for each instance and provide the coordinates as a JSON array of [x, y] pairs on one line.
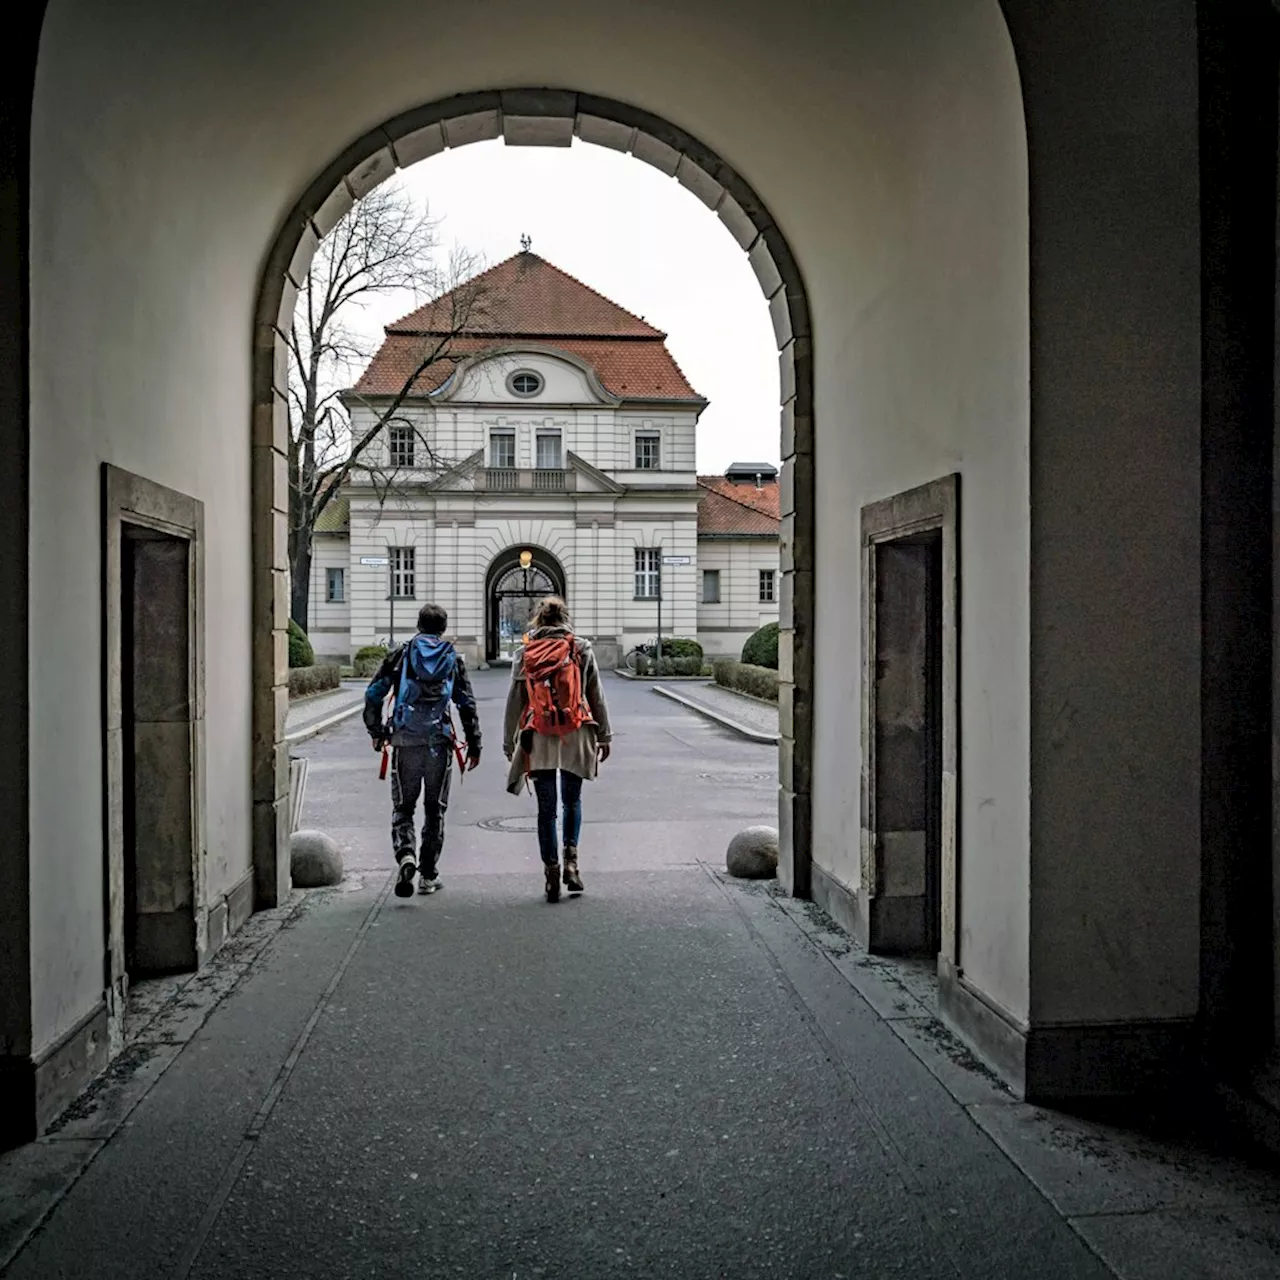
[[908, 898], [154, 688], [516, 581]]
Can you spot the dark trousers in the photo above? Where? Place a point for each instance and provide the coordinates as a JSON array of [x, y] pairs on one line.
[[425, 772], [544, 786]]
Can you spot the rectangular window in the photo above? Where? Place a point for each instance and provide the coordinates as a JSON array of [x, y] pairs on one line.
[[402, 442], [767, 586], [648, 569], [548, 451], [403, 562], [334, 587], [502, 450], [711, 586], [648, 451]]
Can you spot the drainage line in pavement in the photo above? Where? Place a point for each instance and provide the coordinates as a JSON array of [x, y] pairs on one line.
[[235, 1166]]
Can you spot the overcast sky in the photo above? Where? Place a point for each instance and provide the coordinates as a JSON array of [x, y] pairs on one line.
[[641, 239]]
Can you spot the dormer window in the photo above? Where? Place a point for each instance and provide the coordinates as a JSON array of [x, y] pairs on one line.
[[525, 383]]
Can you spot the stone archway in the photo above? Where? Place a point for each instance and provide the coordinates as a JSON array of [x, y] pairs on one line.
[[515, 581], [526, 117]]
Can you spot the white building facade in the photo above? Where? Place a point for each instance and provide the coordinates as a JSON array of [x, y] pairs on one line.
[[738, 579], [555, 452]]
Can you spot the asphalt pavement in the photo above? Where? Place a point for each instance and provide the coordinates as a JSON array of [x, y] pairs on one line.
[[673, 1075]]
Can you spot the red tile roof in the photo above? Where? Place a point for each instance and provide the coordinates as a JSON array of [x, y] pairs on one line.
[[627, 368], [526, 297], [730, 509]]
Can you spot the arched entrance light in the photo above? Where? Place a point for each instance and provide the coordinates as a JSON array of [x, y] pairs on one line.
[[526, 559]]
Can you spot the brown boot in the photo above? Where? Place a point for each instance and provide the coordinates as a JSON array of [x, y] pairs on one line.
[[572, 880], [553, 881]]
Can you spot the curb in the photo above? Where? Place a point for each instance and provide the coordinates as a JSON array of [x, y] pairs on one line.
[[745, 731], [310, 730], [631, 675]]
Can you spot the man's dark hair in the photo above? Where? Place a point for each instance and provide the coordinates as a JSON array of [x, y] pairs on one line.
[[432, 620]]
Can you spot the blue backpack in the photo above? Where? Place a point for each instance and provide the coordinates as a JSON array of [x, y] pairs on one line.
[[427, 667]]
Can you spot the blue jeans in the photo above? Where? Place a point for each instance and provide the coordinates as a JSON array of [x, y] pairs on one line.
[[544, 786]]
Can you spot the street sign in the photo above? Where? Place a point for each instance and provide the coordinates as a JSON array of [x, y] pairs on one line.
[[676, 560], [378, 560]]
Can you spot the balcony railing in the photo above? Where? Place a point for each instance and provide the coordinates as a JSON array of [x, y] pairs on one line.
[[525, 480]]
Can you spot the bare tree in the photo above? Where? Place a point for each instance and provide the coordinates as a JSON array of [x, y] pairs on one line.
[[387, 244]]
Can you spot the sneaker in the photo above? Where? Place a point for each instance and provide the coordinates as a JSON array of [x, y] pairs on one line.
[[428, 884], [404, 877]]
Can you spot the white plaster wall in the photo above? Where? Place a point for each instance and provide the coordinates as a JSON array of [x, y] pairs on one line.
[[564, 382], [723, 628], [330, 623], [453, 558], [675, 532], [889, 149], [921, 361], [677, 446], [599, 434]]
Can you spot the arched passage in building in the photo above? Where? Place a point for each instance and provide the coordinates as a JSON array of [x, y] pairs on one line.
[[903, 300], [515, 582], [537, 117], [876, 173]]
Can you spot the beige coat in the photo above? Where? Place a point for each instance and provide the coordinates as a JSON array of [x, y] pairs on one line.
[[576, 751]]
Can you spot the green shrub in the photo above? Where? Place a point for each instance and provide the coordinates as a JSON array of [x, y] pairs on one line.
[[690, 666], [761, 649], [305, 680], [301, 654], [368, 659], [759, 682], [678, 648]]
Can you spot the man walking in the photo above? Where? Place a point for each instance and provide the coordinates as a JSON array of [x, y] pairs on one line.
[[427, 676]]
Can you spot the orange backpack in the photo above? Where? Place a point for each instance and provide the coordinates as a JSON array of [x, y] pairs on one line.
[[553, 683]]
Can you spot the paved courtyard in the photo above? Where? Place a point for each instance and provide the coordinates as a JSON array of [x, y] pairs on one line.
[[675, 1075]]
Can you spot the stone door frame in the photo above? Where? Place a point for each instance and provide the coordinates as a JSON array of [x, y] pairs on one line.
[[131, 500], [930, 507]]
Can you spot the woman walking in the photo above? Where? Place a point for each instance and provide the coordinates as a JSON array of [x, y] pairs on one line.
[[556, 731]]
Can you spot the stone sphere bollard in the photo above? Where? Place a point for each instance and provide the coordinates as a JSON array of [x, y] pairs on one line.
[[314, 860], [753, 854]]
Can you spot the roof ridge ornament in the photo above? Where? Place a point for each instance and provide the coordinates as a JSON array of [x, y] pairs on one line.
[[525, 244]]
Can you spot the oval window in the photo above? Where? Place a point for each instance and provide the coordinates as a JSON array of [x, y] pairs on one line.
[[525, 383]]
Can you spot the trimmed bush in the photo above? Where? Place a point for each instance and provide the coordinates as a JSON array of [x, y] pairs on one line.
[[305, 680], [689, 666], [678, 648], [742, 677], [761, 649], [301, 654], [368, 659]]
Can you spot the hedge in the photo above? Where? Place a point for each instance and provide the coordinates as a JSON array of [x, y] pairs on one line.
[[675, 647], [368, 659], [761, 649], [301, 654], [304, 680], [690, 666], [759, 682]]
